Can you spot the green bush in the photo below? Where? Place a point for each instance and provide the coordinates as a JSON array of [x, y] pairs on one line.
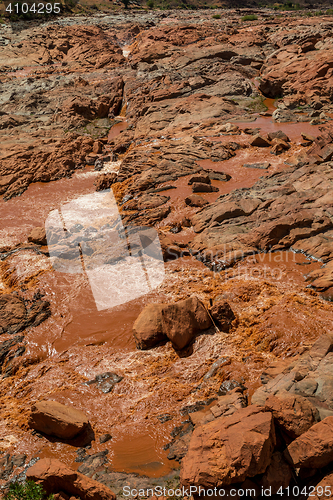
[[216, 16], [329, 12], [150, 4], [249, 17], [26, 491]]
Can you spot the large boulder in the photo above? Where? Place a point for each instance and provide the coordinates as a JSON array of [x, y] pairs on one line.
[[55, 419], [55, 476], [183, 320], [230, 449], [314, 448], [147, 329], [294, 414], [179, 322]]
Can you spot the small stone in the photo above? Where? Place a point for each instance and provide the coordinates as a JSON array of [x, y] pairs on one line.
[[260, 142], [104, 438]]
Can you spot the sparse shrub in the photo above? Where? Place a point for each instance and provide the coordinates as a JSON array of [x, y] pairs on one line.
[[329, 12], [26, 491], [216, 16], [249, 17], [150, 4]]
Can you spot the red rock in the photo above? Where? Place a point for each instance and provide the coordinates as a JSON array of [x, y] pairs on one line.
[[105, 181], [55, 419], [195, 200], [179, 322], [170, 249], [323, 489], [223, 315], [259, 141], [314, 448], [183, 320], [201, 187], [55, 476], [278, 135], [199, 178], [12, 313], [97, 147], [230, 449], [147, 329], [294, 414], [38, 236]]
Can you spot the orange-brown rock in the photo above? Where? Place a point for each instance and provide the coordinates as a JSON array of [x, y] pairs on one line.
[[13, 313], [314, 448], [183, 320], [230, 449], [294, 414], [55, 476], [55, 419], [323, 489], [223, 315], [147, 329], [195, 200], [38, 236], [179, 322]]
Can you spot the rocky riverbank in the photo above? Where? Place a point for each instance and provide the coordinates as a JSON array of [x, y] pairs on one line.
[[204, 144]]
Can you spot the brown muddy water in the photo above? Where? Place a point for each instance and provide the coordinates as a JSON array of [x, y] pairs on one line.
[[78, 341]]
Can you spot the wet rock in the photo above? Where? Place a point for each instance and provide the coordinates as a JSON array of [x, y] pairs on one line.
[[170, 249], [215, 367], [260, 142], [314, 448], [200, 187], [264, 165], [223, 315], [176, 228], [230, 385], [179, 322], [105, 381], [224, 452], [55, 419], [104, 438], [38, 236], [148, 328], [181, 438], [278, 135], [164, 418], [55, 476], [228, 404], [91, 463], [105, 181], [183, 320], [199, 178], [308, 138], [229, 229], [195, 200], [148, 201], [13, 313], [293, 414], [10, 349]]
